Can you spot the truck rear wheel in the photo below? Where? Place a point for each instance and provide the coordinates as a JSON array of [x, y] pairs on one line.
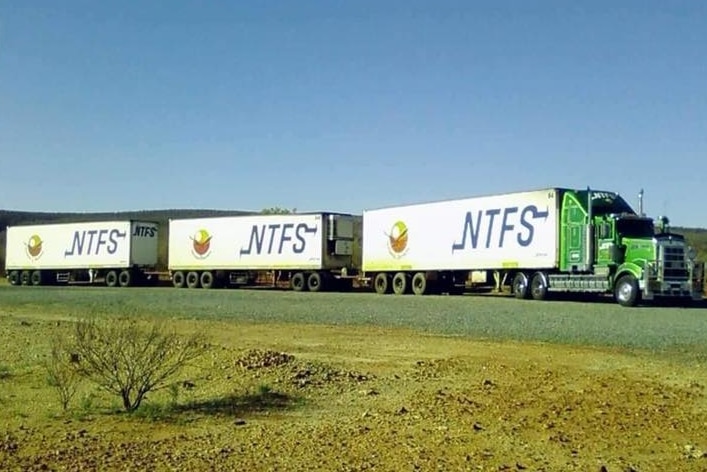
[[25, 277], [419, 283], [298, 283], [14, 277], [400, 283], [315, 282], [125, 278], [627, 292], [520, 286], [193, 279], [111, 278], [207, 279], [178, 279], [36, 278], [538, 286], [381, 283]]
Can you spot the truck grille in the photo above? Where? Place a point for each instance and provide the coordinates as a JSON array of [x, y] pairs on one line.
[[674, 266]]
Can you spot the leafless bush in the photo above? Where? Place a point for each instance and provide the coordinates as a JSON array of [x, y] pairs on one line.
[[129, 358], [62, 372]]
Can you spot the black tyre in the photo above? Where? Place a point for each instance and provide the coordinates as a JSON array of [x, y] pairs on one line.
[[315, 282], [36, 278], [14, 278], [25, 277], [178, 279], [125, 278], [538, 286], [112, 278], [298, 282], [207, 279], [419, 283], [381, 283], [627, 292], [192, 279], [400, 283], [520, 286]]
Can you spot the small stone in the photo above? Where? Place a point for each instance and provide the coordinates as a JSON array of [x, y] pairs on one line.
[[239, 422]]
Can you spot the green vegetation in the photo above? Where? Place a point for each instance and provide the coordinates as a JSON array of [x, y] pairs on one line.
[[475, 316]]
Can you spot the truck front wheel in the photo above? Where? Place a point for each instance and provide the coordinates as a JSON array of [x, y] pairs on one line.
[[627, 292]]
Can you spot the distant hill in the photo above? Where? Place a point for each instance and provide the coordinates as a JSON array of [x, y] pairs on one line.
[[14, 218]]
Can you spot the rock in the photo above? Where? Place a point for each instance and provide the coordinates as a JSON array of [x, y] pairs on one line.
[[239, 422]]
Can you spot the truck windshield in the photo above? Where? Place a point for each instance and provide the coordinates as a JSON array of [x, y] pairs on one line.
[[635, 228]]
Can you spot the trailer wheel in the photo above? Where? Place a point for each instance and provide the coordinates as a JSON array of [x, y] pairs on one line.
[[14, 277], [207, 279], [315, 282], [419, 283], [627, 292], [36, 278], [520, 286], [178, 279], [125, 278], [193, 279], [111, 278], [400, 283], [381, 283], [298, 282], [538, 286]]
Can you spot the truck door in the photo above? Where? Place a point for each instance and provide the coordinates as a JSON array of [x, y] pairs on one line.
[[573, 238]]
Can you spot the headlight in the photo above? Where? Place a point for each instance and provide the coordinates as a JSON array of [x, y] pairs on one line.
[[691, 253]]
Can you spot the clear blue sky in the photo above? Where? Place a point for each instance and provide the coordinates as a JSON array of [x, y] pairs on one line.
[[349, 105]]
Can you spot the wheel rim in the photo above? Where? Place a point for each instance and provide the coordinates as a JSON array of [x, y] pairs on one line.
[[399, 283], [298, 281], [625, 292], [418, 284], [381, 283]]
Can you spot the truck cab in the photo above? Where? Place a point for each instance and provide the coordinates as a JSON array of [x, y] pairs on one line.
[[623, 252], [653, 264]]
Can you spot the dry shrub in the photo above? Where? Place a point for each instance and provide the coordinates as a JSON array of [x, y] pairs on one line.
[[129, 358]]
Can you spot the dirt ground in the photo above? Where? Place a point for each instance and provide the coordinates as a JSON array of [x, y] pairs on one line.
[[296, 398]]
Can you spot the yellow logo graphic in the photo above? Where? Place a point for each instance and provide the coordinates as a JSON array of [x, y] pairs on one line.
[[201, 242], [398, 239], [34, 246]]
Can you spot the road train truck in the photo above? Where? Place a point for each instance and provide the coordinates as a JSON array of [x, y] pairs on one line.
[[117, 253], [541, 241], [310, 251]]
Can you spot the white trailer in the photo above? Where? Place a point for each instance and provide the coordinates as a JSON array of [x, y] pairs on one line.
[[311, 251], [114, 252], [439, 246]]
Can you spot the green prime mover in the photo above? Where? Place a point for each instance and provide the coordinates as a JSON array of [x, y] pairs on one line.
[[607, 247]]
